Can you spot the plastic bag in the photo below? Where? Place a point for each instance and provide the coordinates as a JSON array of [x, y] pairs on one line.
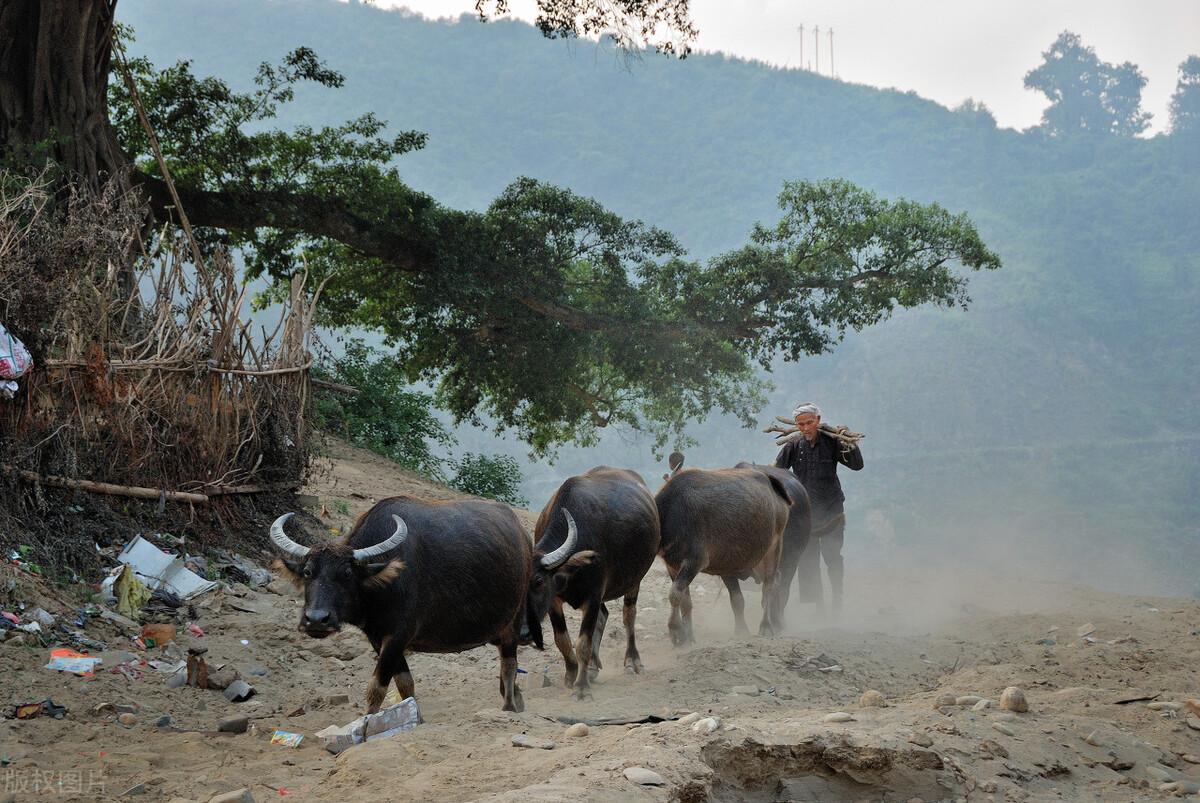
[[14, 357]]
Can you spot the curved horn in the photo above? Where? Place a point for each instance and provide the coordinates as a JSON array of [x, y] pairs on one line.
[[281, 541], [397, 538], [559, 556]]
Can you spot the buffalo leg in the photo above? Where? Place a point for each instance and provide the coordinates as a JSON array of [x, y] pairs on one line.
[[391, 664], [595, 666], [633, 661], [508, 677], [680, 623], [770, 574], [583, 648], [563, 641], [788, 564], [738, 603]]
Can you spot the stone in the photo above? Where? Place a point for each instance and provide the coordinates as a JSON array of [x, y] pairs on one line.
[[1180, 788], [135, 790], [993, 748], [988, 787], [239, 690], [233, 725], [1093, 739], [222, 677], [748, 691], [837, 716], [1002, 728], [163, 722], [236, 796], [1189, 758], [521, 740], [128, 720], [945, 701], [645, 777], [1013, 699], [338, 699], [1193, 723], [982, 705], [691, 718], [872, 699], [706, 725], [1162, 705], [967, 699], [576, 730], [921, 740], [1086, 630]]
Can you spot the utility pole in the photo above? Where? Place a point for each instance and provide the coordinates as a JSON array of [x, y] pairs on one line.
[[817, 46], [802, 46], [832, 72]]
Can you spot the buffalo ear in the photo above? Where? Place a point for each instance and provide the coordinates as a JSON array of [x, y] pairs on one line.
[[289, 570], [381, 575], [576, 562], [533, 624]]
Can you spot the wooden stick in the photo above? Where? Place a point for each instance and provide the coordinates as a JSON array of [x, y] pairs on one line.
[[105, 487]]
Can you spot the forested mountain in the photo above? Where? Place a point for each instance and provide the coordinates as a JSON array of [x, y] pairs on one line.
[[1059, 412]]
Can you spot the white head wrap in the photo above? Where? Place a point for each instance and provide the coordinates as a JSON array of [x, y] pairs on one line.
[[806, 408]]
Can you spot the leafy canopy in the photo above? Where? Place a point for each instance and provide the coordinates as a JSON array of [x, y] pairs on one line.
[[1185, 102], [546, 313], [1088, 95]]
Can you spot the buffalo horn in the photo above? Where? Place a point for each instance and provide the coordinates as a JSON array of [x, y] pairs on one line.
[[559, 556], [397, 538], [281, 541]]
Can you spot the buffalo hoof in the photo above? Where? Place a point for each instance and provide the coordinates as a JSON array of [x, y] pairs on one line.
[[517, 704], [593, 672], [633, 666], [581, 694], [569, 678]]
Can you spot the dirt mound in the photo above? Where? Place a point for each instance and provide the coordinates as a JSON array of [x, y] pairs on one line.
[[731, 719]]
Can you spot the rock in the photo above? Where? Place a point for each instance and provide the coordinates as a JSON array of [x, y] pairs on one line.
[[706, 725], [163, 722], [1193, 723], [239, 690], [1180, 788], [872, 699], [128, 720], [993, 748], [921, 740], [749, 691], [1086, 630], [127, 708], [1013, 699], [1002, 728], [1162, 705], [236, 796], [338, 699], [233, 725], [967, 699], [982, 705], [1159, 773], [645, 777], [521, 740], [945, 701], [693, 717], [1189, 758], [1119, 764], [1093, 739], [837, 716], [576, 730], [222, 677], [135, 790]]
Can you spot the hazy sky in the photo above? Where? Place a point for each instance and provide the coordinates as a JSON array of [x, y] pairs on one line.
[[946, 50]]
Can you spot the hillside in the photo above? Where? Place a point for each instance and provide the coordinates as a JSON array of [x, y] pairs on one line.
[[1060, 409]]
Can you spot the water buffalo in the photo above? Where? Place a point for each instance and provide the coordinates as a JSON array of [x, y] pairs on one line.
[[421, 576], [795, 538], [728, 522], [617, 521]]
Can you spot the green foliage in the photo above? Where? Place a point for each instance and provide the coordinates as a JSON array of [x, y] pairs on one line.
[[1088, 95], [384, 415], [1185, 102], [491, 476]]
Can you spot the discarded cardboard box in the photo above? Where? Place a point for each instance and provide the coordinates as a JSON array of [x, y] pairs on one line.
[[403, 716]]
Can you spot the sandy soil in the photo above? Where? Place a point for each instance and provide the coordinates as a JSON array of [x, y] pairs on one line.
[[913, 638]]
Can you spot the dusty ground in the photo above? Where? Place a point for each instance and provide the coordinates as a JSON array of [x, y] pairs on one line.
[[912, 638]]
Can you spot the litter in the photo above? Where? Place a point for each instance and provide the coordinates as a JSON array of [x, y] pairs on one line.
[[193, 629], [161, 570], [403, 716], [15, 359], [34, 710], [238, 690], [129, 592], [64, 660], [286, 738]]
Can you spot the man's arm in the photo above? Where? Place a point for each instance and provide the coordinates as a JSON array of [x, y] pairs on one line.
[[852, 459], [784, 458]]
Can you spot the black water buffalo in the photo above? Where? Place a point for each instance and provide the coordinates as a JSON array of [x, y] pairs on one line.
[[420, 576], [795, 538], [617, 521], [728, 522]]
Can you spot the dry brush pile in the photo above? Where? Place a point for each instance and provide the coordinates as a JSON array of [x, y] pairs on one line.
[[148, 381]]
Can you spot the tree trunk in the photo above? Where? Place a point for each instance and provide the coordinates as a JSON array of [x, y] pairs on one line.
[[54, 62]]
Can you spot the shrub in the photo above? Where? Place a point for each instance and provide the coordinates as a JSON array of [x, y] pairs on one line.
[[493, 476]]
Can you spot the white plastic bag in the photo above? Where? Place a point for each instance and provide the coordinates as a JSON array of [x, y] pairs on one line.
[[14, 357]]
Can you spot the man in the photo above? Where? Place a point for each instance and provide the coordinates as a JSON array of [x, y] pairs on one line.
[[814, 460]]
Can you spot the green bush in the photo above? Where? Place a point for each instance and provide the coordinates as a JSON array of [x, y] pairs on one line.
[[383, 416], [493, 476]]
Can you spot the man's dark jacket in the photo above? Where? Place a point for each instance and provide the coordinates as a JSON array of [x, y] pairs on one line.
[[815, 465]]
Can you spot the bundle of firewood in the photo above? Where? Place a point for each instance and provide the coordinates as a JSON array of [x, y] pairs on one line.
[[786, 427]]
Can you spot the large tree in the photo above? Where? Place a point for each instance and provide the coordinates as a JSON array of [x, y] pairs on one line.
[[1185, 102], [1087, 95], [545, 312]]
